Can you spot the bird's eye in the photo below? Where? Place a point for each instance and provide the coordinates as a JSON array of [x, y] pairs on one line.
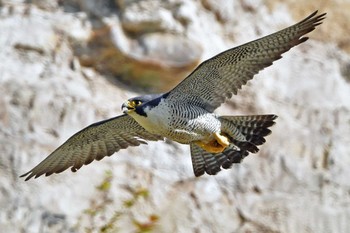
[[137, 102]]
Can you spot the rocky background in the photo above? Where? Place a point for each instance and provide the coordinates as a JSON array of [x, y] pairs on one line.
[[67, 64]]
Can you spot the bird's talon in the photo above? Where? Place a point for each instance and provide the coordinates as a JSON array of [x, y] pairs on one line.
[[222, 140], [217, 145]]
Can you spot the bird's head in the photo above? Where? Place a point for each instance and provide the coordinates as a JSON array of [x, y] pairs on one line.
[[137, 103], [131, 104]]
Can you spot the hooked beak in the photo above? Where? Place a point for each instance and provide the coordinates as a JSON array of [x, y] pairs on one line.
[[127, 107]]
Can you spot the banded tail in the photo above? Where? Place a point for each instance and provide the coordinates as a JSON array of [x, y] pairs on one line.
[[245, 133]]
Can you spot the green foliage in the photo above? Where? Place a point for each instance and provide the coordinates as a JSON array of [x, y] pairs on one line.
[[136, 194], [106, 183], [98, 217], [145, 227]]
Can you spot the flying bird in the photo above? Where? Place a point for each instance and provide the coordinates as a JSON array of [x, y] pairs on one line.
[[186, 113]]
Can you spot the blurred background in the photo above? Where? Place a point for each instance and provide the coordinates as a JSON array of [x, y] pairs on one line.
[[67, 64]]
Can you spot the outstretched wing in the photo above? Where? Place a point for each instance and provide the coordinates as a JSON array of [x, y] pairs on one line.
[[218, 78], [93, 142]]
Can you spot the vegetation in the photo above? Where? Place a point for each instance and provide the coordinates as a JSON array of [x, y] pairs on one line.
[[99, 217]]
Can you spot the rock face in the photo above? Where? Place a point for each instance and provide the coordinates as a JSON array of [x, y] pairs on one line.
[[67, 64]]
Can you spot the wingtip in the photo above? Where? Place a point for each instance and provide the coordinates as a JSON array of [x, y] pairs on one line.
[[314, 18], [319, 18], [26, 174], [315, 13], [23, 175], [322, 15], [29, 175]]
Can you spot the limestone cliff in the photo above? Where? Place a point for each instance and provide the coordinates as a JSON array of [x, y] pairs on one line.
[[67, 64]]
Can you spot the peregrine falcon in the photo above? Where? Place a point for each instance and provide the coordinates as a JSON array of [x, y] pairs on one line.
[[186, 113]]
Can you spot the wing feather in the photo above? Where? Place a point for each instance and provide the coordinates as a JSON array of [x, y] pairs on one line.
[[221, 76], [93, 143]]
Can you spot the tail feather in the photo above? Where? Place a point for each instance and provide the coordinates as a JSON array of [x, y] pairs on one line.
[[205, 162], [254, 128], [212, 166], [245, 133], [233, 156], [198, 162], [253, 121]]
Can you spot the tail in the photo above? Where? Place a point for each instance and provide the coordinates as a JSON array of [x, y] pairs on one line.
[[245, 133]]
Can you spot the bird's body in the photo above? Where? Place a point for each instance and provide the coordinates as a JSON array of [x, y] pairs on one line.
[[177, 121], [186, 113]]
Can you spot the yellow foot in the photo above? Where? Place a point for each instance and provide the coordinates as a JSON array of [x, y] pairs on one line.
[[222, 140], [217, 145]]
